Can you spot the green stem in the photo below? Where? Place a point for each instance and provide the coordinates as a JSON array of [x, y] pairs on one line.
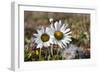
[[61, 54], [49, 54], [40, 54], [57, 51], [52, 50]]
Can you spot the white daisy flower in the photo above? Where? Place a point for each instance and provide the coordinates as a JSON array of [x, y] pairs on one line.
[[42, 38], [60, 34]]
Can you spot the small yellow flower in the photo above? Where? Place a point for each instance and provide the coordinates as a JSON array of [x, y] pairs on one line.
[[37, 53]]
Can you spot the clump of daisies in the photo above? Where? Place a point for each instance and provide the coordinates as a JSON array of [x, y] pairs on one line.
[[57, 34]]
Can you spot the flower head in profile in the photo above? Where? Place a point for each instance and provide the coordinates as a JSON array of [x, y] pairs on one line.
[[60, 34], [42, 38]]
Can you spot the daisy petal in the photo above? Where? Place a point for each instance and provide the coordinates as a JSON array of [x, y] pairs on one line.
[[67, 30], [59, 25], [56, 25], [39, 46], [63, 28], [51, 26], [36, 35], [60, 44]]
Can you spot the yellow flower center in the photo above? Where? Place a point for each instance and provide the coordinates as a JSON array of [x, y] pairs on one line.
[[45, 37], [58, 35]]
